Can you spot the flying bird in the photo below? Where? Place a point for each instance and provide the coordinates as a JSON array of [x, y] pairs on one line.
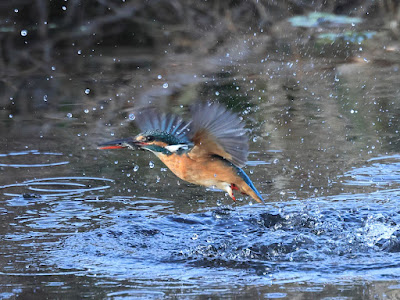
[[207, 150]]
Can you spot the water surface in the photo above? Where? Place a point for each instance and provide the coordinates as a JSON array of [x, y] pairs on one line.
[[324, 139]]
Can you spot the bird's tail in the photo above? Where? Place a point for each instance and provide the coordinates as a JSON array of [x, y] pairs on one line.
[[249, 188], [253, 193]]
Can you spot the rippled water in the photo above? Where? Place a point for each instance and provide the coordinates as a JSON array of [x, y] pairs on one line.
[[78, 222], [147, 247]]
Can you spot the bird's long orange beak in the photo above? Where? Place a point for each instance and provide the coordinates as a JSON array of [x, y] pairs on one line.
[[110, 147], [119, 144]]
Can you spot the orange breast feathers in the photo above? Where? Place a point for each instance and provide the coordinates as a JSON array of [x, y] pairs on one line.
[[206, 172]]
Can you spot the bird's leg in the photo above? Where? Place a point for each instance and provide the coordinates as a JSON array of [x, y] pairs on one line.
[[229, 189], [234, 187]]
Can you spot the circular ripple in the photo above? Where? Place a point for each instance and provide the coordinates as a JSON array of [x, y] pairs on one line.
[[58, 186], [36, 159]]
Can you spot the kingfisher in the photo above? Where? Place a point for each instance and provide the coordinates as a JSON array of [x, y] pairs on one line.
[[209, 149]]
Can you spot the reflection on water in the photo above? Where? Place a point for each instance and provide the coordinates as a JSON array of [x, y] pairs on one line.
[[324, 144], [376, 173]]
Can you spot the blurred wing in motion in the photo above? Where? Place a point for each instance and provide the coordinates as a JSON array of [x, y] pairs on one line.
[[150, 119], [216, 131]]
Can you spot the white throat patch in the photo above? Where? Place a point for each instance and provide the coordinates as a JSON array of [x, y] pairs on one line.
[[176, 148]]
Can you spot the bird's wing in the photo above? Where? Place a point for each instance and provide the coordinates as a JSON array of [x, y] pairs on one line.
[[151, 119], [216, 131]]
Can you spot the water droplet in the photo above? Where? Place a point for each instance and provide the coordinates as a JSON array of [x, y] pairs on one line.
[[216, 93], [195, 237], [79, 52], [64, 7], [165, 85], [24, 32], [10, 116], [158, 179], [159, 76], [87, 91], [116, 162], [45, 98], [132, 116], [151, 164], [69, 115], [86, 111], [135, 168], [16, 10]]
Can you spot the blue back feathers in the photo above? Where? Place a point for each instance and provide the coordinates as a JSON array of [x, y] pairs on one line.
[[246, 179], [244, 176]]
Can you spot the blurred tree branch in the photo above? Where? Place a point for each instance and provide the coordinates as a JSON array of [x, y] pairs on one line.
[[56, 29]]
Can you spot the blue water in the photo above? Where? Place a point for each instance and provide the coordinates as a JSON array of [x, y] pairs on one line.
[[142, 247]]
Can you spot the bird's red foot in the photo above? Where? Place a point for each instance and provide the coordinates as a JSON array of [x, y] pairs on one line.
[[233, 187]]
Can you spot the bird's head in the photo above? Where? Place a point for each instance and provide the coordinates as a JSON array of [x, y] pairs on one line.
[[156, 141], [162, 134]]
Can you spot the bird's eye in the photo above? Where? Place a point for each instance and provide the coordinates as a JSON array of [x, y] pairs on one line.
[[149, 138]]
